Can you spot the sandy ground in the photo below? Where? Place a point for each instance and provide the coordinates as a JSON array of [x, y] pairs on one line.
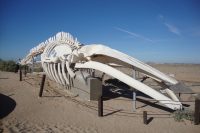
[[23, 111]]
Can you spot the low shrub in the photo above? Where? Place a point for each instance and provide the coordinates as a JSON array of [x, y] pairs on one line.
[[179, 115], [9, 65]]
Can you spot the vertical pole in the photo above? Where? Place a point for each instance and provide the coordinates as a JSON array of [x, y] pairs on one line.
[[32, 64], [134, 73], [197, 111], [20, 73], [145, 117], [100, 107], [93, 73], [134, 101], [138, 74], [134, 91], [42, 85]]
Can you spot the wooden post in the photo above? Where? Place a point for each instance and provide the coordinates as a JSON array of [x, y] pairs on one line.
[[100, 107], [145, 117], [42, 85], [197, 111], [134, 100], [20, 73]]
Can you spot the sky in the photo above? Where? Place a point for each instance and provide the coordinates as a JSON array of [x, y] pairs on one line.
[[161, 31]]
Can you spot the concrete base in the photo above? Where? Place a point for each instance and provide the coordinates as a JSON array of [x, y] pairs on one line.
[[86, 87]]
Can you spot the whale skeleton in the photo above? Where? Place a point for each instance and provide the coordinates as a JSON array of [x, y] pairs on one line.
[[62, 56]]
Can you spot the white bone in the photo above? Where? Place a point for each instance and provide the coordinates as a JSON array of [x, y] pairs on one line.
[[64, 74], [56, 73], [52, 72], [90, 50], [132, 82], [60, 74], [63, 50]]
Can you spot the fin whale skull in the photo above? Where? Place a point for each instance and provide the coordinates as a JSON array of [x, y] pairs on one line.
[[63, 54]]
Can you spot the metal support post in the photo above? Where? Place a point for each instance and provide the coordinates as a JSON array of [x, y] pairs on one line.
[[32, 65], [134, 100], [134, 73]]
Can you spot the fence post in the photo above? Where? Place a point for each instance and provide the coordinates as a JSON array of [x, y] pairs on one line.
[[20, 73], [42, 85], [100, 106], [197, 111], [145, 117]]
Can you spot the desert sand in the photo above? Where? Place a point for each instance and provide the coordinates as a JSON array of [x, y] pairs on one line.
[[58, 111]]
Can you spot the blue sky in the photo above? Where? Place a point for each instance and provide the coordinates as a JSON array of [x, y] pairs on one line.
[[165, 31]]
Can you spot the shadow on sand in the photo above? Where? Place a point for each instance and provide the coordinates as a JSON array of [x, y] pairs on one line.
[[114, 88], [7, 105], [4, 78]]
